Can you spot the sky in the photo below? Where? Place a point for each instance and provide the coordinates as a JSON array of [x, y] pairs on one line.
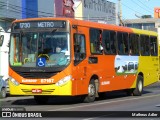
[[133, 8]]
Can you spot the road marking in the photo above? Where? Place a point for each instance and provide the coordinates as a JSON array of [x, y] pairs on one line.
[[158, 105], [104, 103], [96, 117]]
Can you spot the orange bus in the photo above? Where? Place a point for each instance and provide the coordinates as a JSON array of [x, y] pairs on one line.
[[69, 57]]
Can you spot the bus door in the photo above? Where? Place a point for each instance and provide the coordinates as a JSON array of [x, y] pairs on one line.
[[80, 61], [4, 49]]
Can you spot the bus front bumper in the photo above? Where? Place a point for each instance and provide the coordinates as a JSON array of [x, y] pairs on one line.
[[51, 89]]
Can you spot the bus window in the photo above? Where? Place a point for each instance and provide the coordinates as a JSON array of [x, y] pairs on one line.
[[122, 43], [1, 40], [109, 42], [95, 41], [144, 45], [113, 42], [106, 41], [130, 66], [125, 40], [153, 46], [79, 48], [133, 44], [14, 49]]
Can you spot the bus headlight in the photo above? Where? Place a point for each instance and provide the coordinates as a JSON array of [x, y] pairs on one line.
[[14, 81], [64, 80]]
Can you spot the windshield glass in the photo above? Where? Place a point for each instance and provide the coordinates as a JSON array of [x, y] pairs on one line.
[[44, 49]]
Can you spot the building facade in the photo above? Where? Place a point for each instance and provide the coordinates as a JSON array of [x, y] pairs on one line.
[[96, 10], [144, 24]]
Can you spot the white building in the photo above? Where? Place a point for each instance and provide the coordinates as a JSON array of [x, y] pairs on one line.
[[96, 10]]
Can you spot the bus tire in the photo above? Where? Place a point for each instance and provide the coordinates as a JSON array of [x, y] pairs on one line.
[[139, 86], [41, 99], [3, 93], [91, 92]]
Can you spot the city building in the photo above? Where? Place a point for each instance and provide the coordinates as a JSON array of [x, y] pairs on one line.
[[94, 10], [19, 9], [102, 11], [145, 23]]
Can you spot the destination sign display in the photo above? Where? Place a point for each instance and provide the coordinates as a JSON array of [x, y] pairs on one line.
[[39, 24]]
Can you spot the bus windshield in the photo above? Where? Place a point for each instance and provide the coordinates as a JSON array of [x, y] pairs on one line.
[[39, 49]]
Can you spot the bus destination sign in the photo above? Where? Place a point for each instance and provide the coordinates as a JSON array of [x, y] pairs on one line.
[[39, 24]]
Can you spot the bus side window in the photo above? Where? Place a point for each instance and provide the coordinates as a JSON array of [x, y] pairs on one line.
[[113, 42], [79, 48], [122, 39], [144, 45], [106, 41], [109, 42], [153, 46], [133, 44], [95, 41], [1, 40], [125, 41]]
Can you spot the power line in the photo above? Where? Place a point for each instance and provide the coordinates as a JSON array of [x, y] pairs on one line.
[[3, 3], [141, 6], [131, 9], [144, 4], [14, 9]]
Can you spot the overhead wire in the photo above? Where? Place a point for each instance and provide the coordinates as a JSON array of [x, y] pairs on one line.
[[4, 3], [18, 9], [141, 6], [15, 10], [145, 5]]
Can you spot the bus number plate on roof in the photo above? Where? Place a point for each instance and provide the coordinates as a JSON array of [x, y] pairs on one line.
[[39, 24]]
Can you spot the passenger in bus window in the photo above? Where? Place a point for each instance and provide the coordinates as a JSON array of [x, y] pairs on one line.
[[142, 50], [122, 48], [152, 50], [113, 50], [58, 57], [130, 51]]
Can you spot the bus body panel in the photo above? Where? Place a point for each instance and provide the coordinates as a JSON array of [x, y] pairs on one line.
[[50, 89], [148, 65], [149, 72]]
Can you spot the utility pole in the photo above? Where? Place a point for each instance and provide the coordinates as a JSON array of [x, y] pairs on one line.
[[120, 13]]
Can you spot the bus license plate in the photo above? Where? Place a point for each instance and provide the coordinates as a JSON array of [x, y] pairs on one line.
[[36, 90]]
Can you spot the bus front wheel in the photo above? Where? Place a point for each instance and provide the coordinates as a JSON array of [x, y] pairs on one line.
[[41, 99], [139, 86], [91, 92]]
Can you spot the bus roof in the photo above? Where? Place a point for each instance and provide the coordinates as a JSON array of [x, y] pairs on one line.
[[145, 32], [94, 25]]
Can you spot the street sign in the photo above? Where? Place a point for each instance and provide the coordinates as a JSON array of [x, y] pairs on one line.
[[156, 12]]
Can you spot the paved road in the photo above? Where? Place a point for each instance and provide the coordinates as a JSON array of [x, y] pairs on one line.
[[115, 101]]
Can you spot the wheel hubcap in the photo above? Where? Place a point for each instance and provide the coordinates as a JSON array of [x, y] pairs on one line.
[[91, 90], [140, 86]]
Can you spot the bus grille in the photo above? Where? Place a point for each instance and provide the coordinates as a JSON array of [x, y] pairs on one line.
[[36, 75]]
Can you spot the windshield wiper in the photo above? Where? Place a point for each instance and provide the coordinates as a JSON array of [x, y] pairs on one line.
[[54, 30]]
